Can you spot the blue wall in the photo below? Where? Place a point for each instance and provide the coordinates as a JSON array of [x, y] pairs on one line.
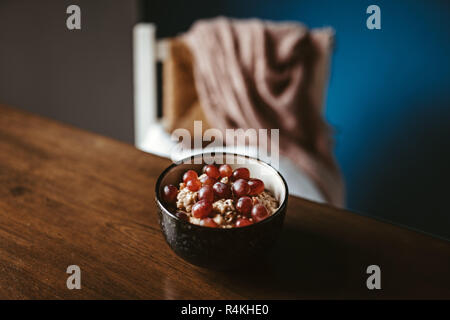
[[389, 102]]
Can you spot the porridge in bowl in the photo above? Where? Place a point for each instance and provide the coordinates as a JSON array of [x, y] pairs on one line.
[[220, 198]]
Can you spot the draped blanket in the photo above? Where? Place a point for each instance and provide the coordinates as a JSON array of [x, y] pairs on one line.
[[259, 74]]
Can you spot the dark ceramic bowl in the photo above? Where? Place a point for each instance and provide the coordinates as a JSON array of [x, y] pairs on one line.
[[220, 248]]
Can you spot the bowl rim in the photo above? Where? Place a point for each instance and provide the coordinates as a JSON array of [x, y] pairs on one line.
[[280, 208]]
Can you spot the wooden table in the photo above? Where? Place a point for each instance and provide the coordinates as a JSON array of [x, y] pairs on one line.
[[69, 197]]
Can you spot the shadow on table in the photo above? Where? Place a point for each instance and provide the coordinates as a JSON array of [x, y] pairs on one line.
[[302, 264]]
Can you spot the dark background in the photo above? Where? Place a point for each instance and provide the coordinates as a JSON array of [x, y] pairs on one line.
[[388, 98], [81, 77]]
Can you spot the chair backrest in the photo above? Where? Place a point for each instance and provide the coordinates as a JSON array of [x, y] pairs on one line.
[[150, 135], [147, 51]]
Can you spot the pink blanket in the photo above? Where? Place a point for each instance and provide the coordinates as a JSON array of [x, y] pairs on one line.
[[257, 74]]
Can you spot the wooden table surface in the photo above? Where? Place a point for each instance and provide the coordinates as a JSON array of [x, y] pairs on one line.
[[69, 197]]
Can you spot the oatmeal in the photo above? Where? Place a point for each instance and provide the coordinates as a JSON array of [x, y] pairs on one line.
[[221, 197], [222, 206], [225, 180], [267, 200], [186, 198]]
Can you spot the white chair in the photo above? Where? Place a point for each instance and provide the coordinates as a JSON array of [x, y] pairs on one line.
[[150, 135]]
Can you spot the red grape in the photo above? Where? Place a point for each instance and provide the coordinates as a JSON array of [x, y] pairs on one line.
[[182, 215], [225, 170], [222, 190], [211, 171], [256, 187], [243, 222], [244, 205], [206, 193], [207, 181], [170, 193], [189, 175], [241, 173], [208, 222], [201, 209], [194, 184], [259, 212], [241, 188]]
